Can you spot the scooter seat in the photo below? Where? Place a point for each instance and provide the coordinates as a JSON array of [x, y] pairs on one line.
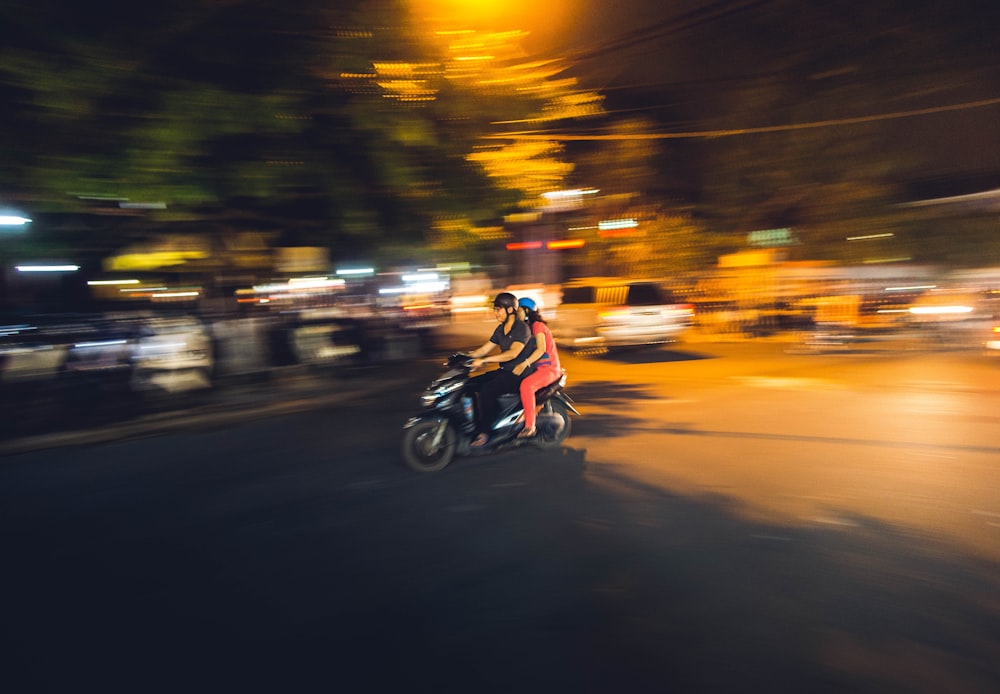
[[548, 391], [508, 399]]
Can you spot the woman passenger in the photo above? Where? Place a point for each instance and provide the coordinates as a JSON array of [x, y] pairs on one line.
[[544, 360]]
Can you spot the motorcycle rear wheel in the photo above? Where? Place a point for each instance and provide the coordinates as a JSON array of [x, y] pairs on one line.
[[419, 452], [553, 425]]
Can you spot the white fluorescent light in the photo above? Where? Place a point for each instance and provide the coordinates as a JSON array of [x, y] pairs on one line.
[[48, 268], [610, 224], [421, 277], [869, 236], [912, 288]]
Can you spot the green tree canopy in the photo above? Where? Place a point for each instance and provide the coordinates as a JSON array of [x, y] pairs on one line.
[[340, 124]]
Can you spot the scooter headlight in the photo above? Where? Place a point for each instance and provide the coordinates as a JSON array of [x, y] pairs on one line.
[[430, 397]]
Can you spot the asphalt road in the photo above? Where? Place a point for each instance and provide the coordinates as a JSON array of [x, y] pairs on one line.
[[725, 518]]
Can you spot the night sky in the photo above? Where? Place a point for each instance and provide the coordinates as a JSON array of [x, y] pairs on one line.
[[666, 61]]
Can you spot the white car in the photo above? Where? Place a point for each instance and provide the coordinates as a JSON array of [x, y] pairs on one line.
[[28, 355], [171, 354], [992, 342], [604, 312]]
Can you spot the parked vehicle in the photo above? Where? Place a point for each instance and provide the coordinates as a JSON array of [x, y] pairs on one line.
[[598, 313], [950, 319], [134, 351], [447, 423], [992, 341], [171, 354], [33, 350]]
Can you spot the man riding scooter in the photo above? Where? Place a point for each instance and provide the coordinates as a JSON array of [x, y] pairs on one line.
[[513, 337]]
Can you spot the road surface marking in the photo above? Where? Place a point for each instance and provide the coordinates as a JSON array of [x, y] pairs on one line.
[[834, 521], [990, 514], [784, 382]]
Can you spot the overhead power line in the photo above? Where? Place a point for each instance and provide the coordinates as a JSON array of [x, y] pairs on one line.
[[834, 122], [685, 20]]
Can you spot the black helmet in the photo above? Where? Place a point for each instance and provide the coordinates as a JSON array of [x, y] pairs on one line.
[[506, 300]]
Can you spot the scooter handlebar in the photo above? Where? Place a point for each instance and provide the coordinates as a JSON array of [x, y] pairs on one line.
[[459, 360]]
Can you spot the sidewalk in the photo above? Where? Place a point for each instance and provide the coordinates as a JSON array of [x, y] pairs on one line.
[[284, 391]]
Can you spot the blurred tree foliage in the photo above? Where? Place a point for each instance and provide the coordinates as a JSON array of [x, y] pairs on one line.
[[337, 124], [347, 125], [667, 237], [827, 65]]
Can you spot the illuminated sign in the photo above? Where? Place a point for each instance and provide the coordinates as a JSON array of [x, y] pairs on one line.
[[771, 237], [558, 245]]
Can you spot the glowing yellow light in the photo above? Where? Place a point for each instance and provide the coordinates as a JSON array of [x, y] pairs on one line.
[[567, 243]]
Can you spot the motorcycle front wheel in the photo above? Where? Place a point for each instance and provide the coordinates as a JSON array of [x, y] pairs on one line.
[[419, 450]]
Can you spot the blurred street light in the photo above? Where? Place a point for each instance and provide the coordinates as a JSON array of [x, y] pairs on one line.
[[13, 220], [48, 268]]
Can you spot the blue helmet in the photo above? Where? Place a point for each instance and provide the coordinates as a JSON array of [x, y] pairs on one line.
[[528, 303]]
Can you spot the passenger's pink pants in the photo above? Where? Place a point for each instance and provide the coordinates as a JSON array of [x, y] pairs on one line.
[[543, 376]]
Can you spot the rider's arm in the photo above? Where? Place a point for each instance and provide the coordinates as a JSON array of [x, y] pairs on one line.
[[507, 355], [540, 350], [487, 347], [513, 351]]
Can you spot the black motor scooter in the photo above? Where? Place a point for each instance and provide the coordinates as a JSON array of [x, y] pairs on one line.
[[447, 424]]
